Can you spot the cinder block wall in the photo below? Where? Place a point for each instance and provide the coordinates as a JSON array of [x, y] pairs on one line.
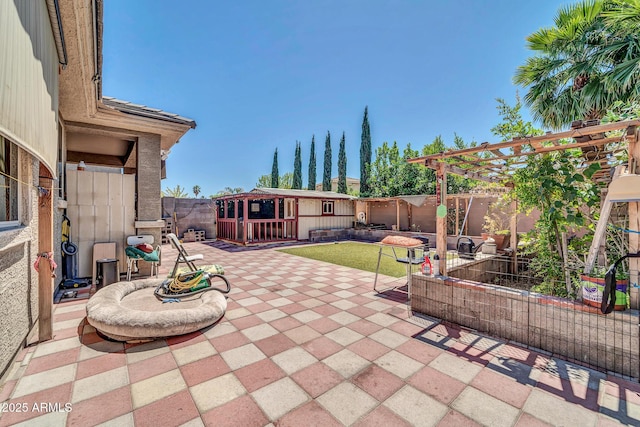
[[198, 214], [559, 326], [368, 235]]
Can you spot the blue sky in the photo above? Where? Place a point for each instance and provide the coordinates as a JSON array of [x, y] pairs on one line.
[[260, 75]]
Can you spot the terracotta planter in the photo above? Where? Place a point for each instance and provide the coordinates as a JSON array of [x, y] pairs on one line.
[[593, 287], [502, 240]]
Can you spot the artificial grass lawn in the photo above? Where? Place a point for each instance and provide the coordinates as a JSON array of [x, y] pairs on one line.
[[362, 256]]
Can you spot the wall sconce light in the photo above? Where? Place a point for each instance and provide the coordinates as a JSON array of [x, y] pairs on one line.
[[81, 165]]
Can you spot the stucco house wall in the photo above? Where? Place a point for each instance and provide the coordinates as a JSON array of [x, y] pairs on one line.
[[18, 279], [29, 121], [52, 109]]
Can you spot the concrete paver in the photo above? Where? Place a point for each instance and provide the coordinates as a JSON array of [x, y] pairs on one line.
[[304, 340]]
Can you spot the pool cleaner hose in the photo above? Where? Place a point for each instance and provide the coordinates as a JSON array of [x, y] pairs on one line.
[[189, 284]]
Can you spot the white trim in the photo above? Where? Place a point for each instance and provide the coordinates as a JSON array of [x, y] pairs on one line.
[[290, 207], [15, 158], [328, 203]]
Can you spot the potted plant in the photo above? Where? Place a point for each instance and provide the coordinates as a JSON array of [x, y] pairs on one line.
[[592, 286], [497, 221]]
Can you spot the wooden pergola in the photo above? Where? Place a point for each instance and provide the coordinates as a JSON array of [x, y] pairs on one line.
[[497, 162]]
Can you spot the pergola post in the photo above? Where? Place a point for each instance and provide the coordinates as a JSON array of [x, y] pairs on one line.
[[45, 246], [397, 214], [514, 235], [634, 219], [441, 221]]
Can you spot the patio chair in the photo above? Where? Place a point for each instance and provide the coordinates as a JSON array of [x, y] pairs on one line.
[[136, 251], [417, 250], [183, 256], [414, 256]]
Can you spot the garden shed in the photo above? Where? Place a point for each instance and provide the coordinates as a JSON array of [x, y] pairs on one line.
[[266, 215]]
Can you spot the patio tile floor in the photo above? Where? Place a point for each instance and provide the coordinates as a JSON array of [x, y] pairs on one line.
[[304, 343]]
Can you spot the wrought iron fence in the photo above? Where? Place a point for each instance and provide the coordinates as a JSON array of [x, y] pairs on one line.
[[506, 298]]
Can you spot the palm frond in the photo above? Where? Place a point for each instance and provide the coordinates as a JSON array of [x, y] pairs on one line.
[[625, 75], [587, 61], [624, 12]]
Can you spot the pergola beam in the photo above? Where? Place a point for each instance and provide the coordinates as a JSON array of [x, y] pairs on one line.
[[458, 171], [542, 150], [479, 171], [573, 133], [476, 162]]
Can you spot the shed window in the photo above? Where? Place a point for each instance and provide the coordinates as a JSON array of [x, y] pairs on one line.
[[289, 208], [231, 208], [327, 207], [220, 206], [8, 183], [262, 209]]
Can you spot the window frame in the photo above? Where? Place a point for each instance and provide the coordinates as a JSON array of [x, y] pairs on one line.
[[231, 209], [327, 212], [220, 208], [289, 207], [15, 165]]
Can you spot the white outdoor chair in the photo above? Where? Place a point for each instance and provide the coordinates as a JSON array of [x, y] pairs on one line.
[[134, 255]]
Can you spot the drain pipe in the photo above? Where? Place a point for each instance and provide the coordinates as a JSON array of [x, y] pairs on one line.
[[96, 77], [53, 7]]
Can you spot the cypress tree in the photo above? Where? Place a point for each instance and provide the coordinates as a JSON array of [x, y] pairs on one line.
[[365, 156], [297, 168], [326, 177], [274, 171], [342, 167], [312, 165]]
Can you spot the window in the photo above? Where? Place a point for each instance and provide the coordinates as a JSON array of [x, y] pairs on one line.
[[262, 209], [327, 207], [220, 206], [289, 208], [8, 183], [231, 208]]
